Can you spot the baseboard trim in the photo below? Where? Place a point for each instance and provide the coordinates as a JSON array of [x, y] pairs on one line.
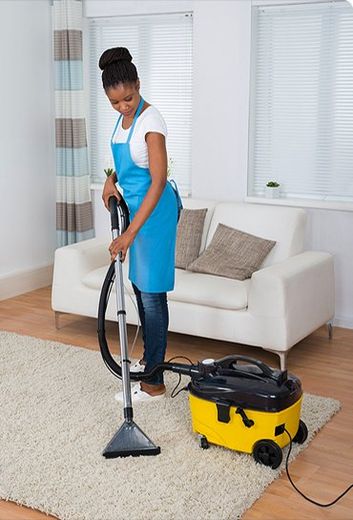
[[24, 281], [346, 322]]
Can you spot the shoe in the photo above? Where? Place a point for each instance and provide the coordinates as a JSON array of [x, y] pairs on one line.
[[137, 367], [139, 395]]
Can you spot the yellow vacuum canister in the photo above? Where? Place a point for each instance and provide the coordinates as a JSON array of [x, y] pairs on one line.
[[247, 408]]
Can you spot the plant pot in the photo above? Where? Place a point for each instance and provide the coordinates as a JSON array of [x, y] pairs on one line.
[[272, 193]]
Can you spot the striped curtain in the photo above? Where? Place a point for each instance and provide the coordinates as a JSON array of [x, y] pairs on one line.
[[74, 218]]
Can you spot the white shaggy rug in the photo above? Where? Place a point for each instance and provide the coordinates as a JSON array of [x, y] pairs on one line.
[[57, 415]]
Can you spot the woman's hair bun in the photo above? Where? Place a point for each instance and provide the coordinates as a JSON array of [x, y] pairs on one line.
[[112, 55]]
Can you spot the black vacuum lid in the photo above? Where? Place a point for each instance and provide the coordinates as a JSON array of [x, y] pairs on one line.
[[249, 388]]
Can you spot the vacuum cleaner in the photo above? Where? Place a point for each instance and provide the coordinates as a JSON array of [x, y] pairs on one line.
[[244, 407]]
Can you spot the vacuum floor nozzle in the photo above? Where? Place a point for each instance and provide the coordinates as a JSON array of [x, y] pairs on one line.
[[130, 440]]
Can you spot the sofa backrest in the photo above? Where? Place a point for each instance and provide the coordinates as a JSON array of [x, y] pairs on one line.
[[285, 225]]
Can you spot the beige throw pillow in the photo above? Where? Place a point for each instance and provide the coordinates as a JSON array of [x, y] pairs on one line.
[[189, 236], [232, 253]]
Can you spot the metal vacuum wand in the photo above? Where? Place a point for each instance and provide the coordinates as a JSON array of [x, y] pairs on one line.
[[118, 228], [129, 439]]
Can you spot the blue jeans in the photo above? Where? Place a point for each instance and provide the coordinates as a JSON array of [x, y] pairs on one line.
[[154, 317]]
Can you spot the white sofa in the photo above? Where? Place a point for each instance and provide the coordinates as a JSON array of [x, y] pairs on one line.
[[287, 299]]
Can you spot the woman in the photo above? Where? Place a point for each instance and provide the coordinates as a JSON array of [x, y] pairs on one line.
[[140, 158]]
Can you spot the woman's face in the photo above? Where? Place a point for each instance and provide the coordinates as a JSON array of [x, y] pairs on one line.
[[125, 98]]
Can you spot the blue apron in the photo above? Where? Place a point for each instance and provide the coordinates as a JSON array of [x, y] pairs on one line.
[[152, 254]]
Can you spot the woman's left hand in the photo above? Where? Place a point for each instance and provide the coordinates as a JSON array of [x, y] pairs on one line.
[[120, 244]]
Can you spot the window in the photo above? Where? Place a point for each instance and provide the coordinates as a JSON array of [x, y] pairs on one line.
[[301, 101], [161, 47]]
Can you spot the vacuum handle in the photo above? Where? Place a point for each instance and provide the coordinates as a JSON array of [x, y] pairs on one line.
[[265, 369], [113, 208], [124, 219]]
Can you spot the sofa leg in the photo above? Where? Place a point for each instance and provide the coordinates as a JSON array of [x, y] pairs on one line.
[[282, 358], [330, 329], [57, 316]]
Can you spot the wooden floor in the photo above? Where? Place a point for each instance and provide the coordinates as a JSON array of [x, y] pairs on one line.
[[325, 367]]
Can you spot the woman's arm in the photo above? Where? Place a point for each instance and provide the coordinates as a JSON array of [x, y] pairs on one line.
[[158, 163]]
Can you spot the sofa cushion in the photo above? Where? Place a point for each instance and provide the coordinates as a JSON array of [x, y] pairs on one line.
[[190, 229], [200, 289], [209, 290], [95, 278], [232, 254]]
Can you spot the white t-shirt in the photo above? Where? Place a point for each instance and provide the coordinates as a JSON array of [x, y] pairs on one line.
[[151, 120]]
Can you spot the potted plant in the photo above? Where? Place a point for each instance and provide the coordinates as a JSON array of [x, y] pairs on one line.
[[108, 171], [272, 190]]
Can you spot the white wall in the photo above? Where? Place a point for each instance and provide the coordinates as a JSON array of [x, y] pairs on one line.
[[27, 156], [220, 123]]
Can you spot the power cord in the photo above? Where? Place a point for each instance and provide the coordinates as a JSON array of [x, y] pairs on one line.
[[173, 394], [298, 490]]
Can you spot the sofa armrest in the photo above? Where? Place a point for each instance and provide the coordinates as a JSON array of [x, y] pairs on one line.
[[72, 262], [299, 289]]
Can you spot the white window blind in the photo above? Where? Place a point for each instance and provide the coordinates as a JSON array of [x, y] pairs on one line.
[[161, 47], [301, 101]]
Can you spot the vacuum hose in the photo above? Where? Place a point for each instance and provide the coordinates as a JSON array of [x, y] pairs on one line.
[[119, 215]]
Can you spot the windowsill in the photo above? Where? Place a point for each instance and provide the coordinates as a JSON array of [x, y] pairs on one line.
[[96, 186], [303, 203]]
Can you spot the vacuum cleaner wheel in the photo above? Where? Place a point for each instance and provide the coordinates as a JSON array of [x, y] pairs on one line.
[[267, 452], [302, 433], [203, 442]]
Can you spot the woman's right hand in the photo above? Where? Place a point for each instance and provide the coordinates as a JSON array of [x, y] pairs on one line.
[[110, 190]]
